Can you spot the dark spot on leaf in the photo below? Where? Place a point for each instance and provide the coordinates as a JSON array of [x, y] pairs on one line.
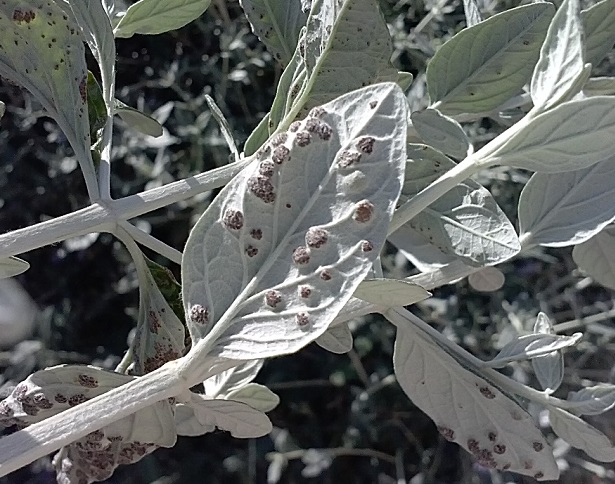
[[262, 187], [82, 89], [317, 112], [288, 205], [487, 393], [492, 436], [537, 446], [539, 475], [302, 319], [305, 291], [528, 464], [256, 234], [316, 237], [301, 255], [41, 401], [294, 126], [266, 168], [272, 298], [366, 144], [233, 219], [60, 398], [348, 158], [367, 246], [499, 448], [473, 446], [363, 211], [251, 251], [325, 275], [448, 434], [507, 466], [77, 399], [303, 138], [280, 154], [278, 139], [87, 381], [199, 314], [373, 104]]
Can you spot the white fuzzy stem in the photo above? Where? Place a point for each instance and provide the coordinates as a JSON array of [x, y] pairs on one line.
[[21, 448]]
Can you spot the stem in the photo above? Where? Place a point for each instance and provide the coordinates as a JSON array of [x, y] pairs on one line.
[[27, 445], [151, 242], [103, 216]]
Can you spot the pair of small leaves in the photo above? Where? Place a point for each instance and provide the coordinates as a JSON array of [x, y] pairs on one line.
[[469, 410], [285, 244], [464, 223]]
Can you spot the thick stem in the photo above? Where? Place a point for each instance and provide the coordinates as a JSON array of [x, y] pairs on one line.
[[27, 445]]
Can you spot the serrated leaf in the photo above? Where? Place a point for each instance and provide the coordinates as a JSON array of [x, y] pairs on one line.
[[599, 35], [241, 420], [343, 51], [561, 209], [256, 396], [595, 256], [337, 339], [390, 292], [486, 64], [593, 400], [466, 221], [469, 411], [284, 245], [561, 58], [53, 71], [232, 379], [277, 24], [532, 346], [12, 266], [160, 335], [581, 435], [156, 17], [571, 136], [137, 120], [441, 132]]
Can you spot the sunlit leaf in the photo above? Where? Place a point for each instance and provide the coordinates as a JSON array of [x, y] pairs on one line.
[[232, 379], [337, 339], [256, 396], [532, 346], [469, 410], [441, 132], [156, 17], [563, 209], [137, 120], [390, 292], [486, 64], [285, 244], [595, 257], [12, 266], [599, 35]]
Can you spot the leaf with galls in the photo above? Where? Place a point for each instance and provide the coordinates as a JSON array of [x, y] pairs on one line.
[[318, 234]]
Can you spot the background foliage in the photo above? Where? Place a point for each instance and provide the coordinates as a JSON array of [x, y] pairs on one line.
[[349, 407]]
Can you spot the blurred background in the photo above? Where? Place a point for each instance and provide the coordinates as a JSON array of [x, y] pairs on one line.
[[342, 418]]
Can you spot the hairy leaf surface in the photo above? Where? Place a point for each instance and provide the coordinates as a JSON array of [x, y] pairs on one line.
[[571, 136], [441, 132], [484, 65], [595, 257], [42, 50], [563, 209], [599, 35], [390, 292], [593, 400], [286, 243], [277, 24], [156, 17], [468, 410], [337, 339]]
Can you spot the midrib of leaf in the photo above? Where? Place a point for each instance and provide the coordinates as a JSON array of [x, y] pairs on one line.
[[481, 235], [504, 50]]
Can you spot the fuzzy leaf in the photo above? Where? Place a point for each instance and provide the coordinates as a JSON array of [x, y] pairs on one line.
[[469, 411], [49, 61], [137, 120], [561, 58], [337, 339], [156, 17], [442, 132], [390, 292], [599, 86], [571, 136], [561, 209], [12, 266], [285, 244], [581, 435], [232, 379], [595, 257], [593, 400], [599, 35], [419, 250], [256, 396], [241, 420], [257, 137], [488, 279], [277, 24], [549, 369], [465, 222], [486, 64], [532, 346]]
